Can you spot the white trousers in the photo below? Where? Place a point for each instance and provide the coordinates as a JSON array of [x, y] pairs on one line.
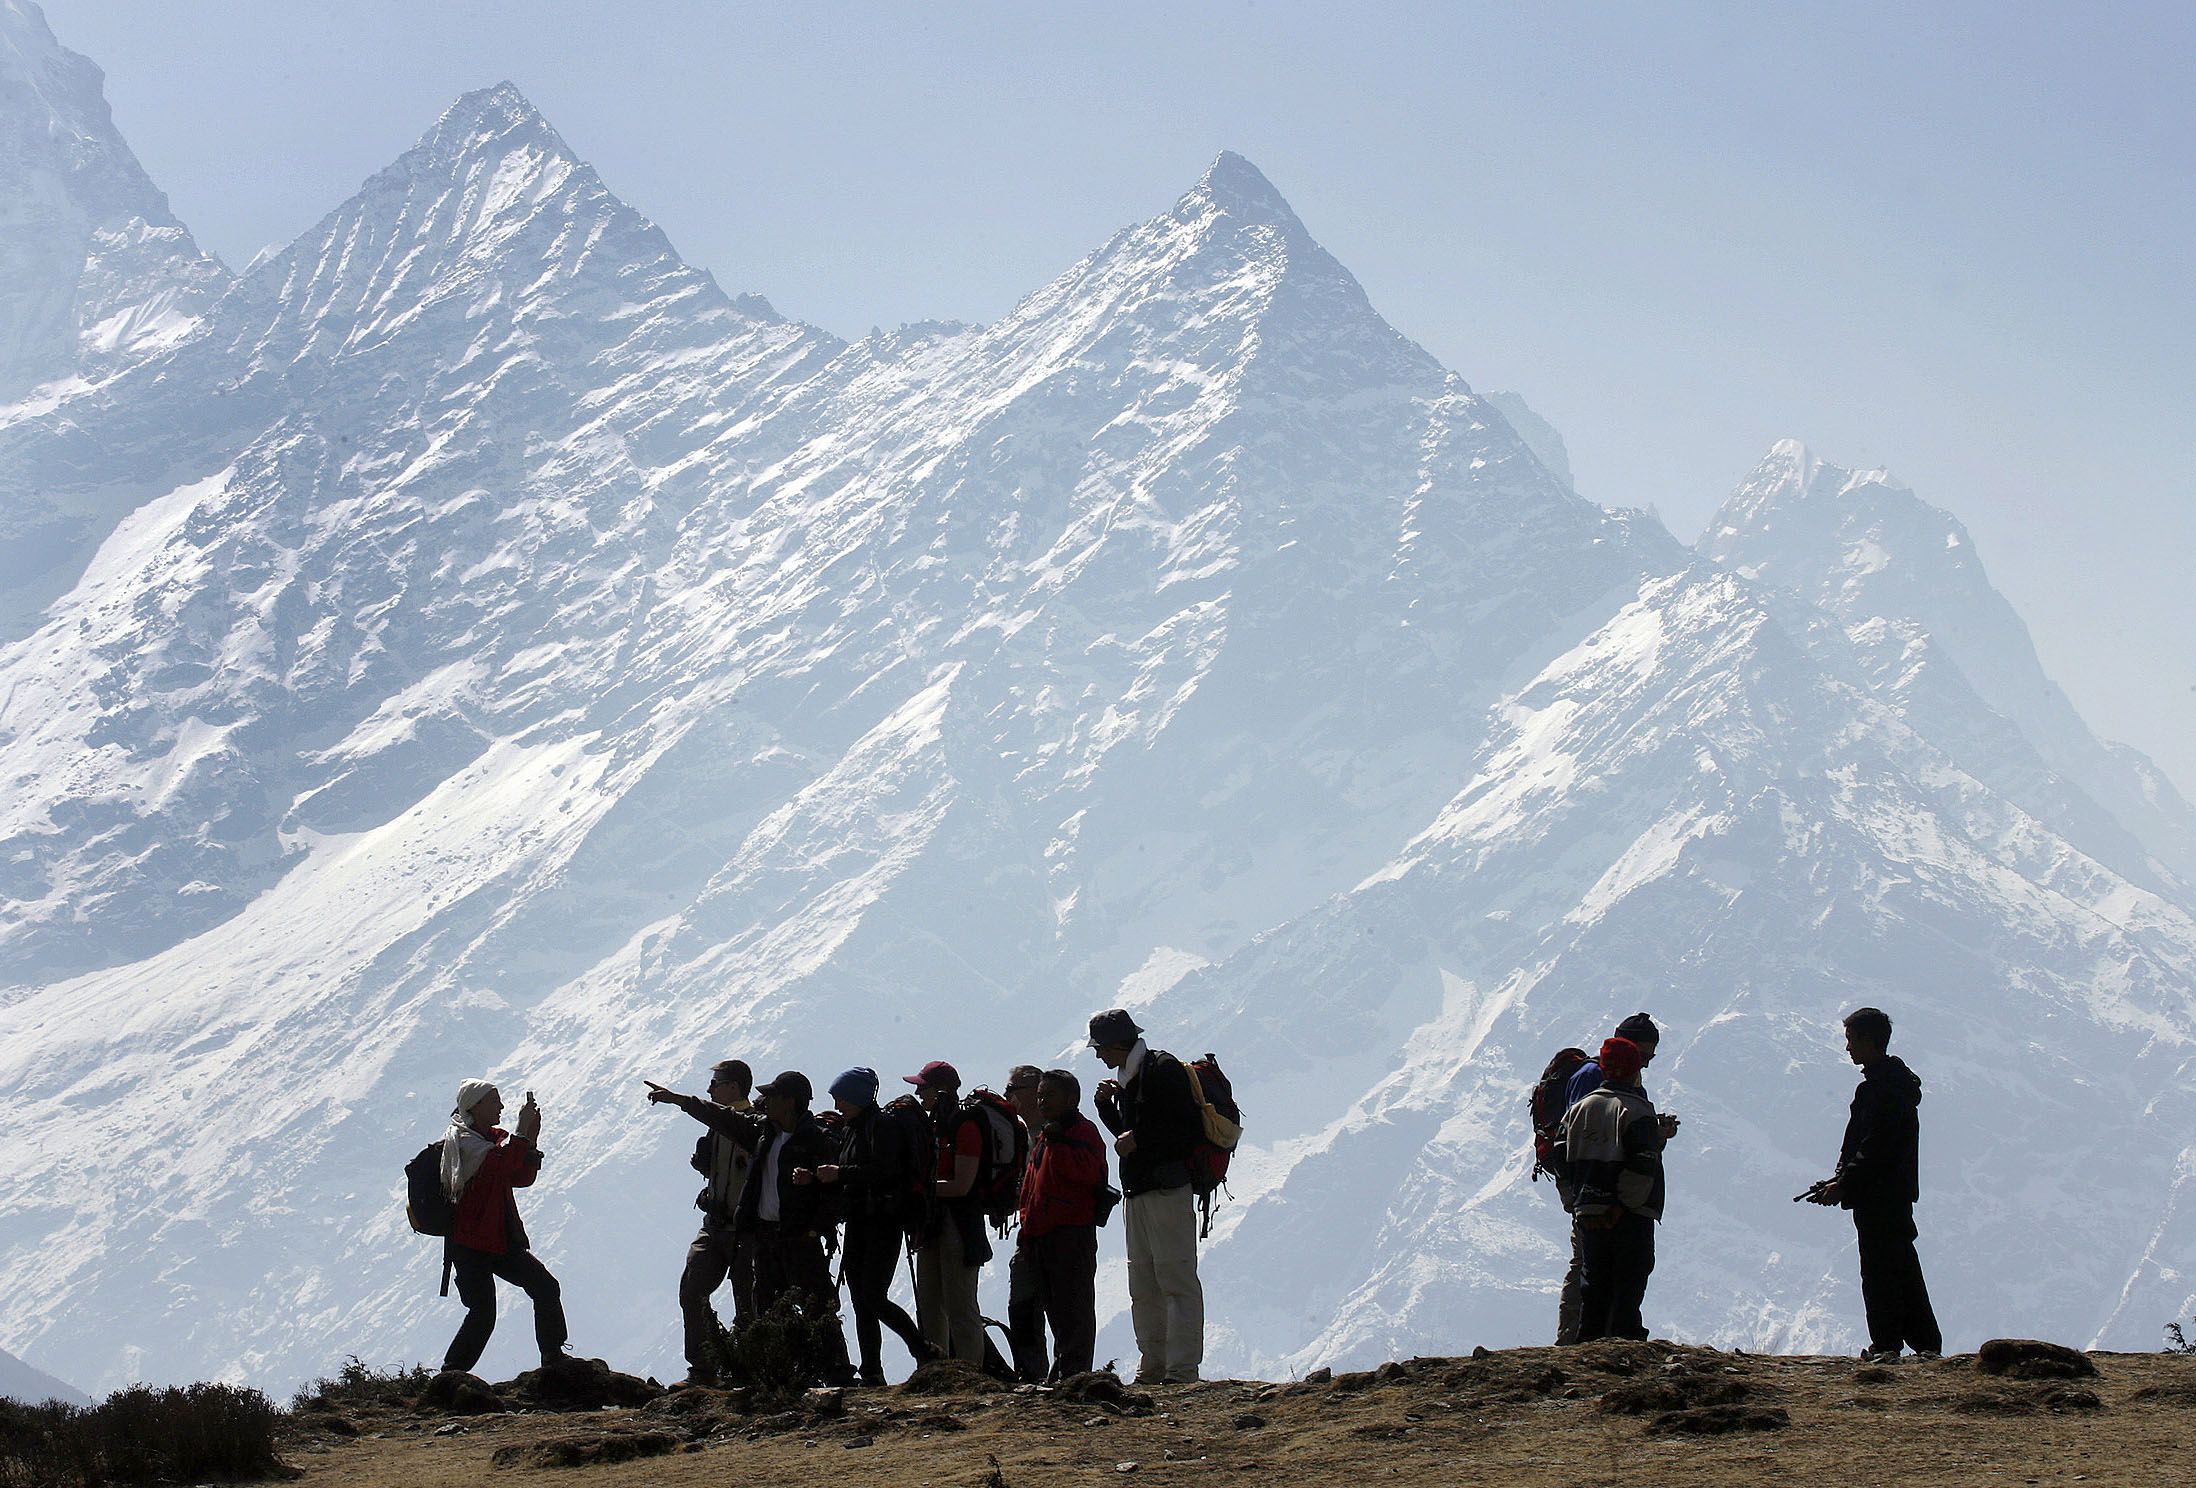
[[1166, 1300]]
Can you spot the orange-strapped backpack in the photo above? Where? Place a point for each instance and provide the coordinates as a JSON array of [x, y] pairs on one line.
[[1223, 1130], [998, 1187], [1549, 1100]]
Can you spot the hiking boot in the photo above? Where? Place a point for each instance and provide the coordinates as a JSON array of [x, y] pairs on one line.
[[1879, 1356], [874, 1377], [560, 1359], [1928, 1354]]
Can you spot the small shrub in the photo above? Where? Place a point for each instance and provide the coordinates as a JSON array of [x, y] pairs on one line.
[[2177, 1342], [782, 1353], [357, 1387], [186, 1434]]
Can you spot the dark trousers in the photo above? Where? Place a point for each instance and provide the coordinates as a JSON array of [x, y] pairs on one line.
[[1025, 1318], [868, 1257], [1892, 1289], [476, 1272], [715, 1255], [791, 1263], [1615, 1263], [1063, 1267]]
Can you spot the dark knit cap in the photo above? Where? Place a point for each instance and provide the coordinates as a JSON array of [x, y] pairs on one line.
[[1641, 1030]]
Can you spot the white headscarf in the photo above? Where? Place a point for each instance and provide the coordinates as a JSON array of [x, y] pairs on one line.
[[463, 1149]]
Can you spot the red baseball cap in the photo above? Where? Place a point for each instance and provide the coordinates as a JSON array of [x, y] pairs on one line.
[[937, 1072]]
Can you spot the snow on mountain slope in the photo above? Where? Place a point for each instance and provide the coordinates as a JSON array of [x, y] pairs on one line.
[[496, 650], [1906, 582], [452, 423], [94, 269]]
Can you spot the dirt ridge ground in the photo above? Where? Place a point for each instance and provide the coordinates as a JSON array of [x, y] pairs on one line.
[[1641, 1413]]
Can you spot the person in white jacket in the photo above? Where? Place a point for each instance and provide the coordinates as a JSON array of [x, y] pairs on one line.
[[1613, 1140]]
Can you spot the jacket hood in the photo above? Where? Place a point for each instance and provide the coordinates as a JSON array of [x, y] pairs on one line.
[[1895, 1079]]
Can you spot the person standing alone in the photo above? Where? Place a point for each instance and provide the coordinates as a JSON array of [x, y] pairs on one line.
[[1156, 1122], [481, 1165], [1879, 1179]]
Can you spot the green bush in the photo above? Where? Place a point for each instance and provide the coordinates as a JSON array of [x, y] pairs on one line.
[[186, 1434]]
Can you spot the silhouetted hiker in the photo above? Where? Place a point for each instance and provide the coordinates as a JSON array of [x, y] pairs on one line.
[[721, 1155], [950, 1254], [1613, 1140], [1156, 1123], [1063, 1192], [1025, 1313], [1879, 1179], [481, 1165], [880, 1162], [1585, 1080], [793, 1225]]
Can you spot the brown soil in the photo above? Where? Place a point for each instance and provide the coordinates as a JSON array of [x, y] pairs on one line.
[[1649, 1414]]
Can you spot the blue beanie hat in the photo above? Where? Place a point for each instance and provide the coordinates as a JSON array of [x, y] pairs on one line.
[[857, 1085]]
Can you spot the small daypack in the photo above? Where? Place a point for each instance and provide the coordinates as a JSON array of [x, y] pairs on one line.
[[1216, 1144], [425, 1204], [1549, 1100], [998, 1190]]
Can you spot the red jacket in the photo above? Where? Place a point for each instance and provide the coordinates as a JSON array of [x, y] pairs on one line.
[[1066, 1169], [487, 1214]]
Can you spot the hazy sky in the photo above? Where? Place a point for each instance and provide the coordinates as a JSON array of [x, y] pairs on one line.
[[1954, 239]]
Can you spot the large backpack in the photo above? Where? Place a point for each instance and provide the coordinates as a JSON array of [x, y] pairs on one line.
[[998, 1190], [425, 1204], [1223, 1129], [904, 1131], [1549, 1100]]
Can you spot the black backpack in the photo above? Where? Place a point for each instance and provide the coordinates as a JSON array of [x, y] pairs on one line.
[[425, 1204], [998, 1189], [904, 1137], [1549, 1100]]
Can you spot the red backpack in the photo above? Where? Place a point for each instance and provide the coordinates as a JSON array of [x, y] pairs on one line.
[[1223, 1130], [998, 1189], [1549, 1100]]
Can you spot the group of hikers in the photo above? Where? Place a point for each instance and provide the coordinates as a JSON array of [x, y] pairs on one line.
[[1599, 1136], [933, 1172], [941, 1174]]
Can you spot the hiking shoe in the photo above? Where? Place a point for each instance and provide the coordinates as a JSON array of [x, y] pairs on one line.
[[1928, 1354], [1879, 1356], [560, 1359]]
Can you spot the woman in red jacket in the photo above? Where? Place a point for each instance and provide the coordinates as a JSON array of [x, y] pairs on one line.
[[1059, 1236], [481, 1165]]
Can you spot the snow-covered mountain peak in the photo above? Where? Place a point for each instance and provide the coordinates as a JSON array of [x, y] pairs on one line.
[[490, 123], [1905, 580], [95, 271], [1233, 185]]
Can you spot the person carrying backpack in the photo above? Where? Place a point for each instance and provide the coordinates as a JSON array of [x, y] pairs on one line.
[[1583, 1080], [1613, 1140], [722, 1155], [1153, 1111], [951, 1251], [1064, 1192], [880, 1162], [481, 1165], [1879, 1178]]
